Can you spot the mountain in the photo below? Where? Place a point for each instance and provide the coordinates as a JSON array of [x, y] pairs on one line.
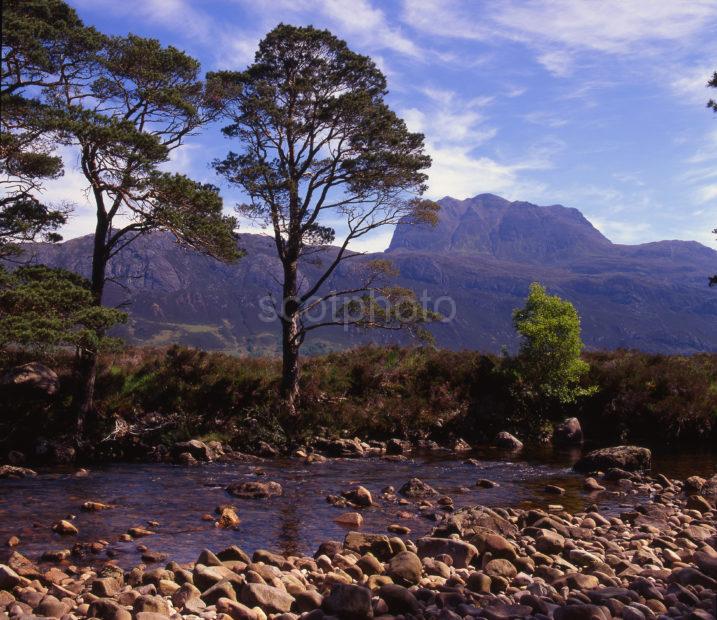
[[479, 260]]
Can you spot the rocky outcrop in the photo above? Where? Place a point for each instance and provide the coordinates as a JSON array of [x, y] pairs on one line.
[[629, 458]]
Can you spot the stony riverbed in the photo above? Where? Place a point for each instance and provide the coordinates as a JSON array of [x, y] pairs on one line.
[[641, 547]]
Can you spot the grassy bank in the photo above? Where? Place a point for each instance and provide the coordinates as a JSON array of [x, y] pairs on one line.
[[174, 394]]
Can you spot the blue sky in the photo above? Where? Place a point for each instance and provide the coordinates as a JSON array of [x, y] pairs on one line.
[[594, 104]]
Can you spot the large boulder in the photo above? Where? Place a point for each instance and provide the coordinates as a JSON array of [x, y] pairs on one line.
[[568, 433], [630, 458], [507, 441], [469, 521], [33, 380], [461, 552], [254, 489]]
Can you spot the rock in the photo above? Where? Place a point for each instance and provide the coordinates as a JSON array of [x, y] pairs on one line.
[[507, 441], [254, 489], [348, 602], [107, 609], [223, 589], [33, 380], [13, 541], [707, 563], [13, 471], [234, 554], [236, 610], [549, 542], [306, 601], [500, 568], [359, 496], [95, 506], [349, 519], [504, 611], [467, 522], [479, 582], [228, 517], [461, 445], [152, 557], [709, 490], [105, 587], [484, 483], [266, 450], [149, 615], [340, 448], [378, 544], [461, 552], [65, 528], [415, 488], [690, 576], [397, 446], [198, 449], [554, 489], [52, 607], [268, 598], [577, 581], [699, 503], [568, 433], [581, 612], [205, 577], [151, 603], [694, 484], [399, 599], [630, 458], [9, 578], [495, 544], [405, 567], [591, 485]]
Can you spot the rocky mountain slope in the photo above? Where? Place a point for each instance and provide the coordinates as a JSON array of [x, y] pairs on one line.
[[483, 255]]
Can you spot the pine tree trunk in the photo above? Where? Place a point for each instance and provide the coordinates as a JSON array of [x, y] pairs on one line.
[[88, 358], [290, 342], [290, 367]]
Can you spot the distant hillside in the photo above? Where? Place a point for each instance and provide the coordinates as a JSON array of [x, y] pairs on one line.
[[484, 253]]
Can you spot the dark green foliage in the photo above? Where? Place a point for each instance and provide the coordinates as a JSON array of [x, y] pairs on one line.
[[318, 143], [42, 309], [42, 39]]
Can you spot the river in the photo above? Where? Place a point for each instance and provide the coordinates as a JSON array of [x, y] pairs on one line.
[[176, 497]]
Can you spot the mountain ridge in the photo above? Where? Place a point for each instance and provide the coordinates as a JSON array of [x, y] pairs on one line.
[[483, 254]]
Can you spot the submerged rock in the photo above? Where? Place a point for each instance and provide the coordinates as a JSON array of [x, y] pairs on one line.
[[254, 489]]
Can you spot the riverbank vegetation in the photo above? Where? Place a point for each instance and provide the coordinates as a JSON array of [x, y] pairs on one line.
[[162, 396]]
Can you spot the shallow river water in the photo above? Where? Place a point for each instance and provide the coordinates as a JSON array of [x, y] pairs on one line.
[[177, 497]]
